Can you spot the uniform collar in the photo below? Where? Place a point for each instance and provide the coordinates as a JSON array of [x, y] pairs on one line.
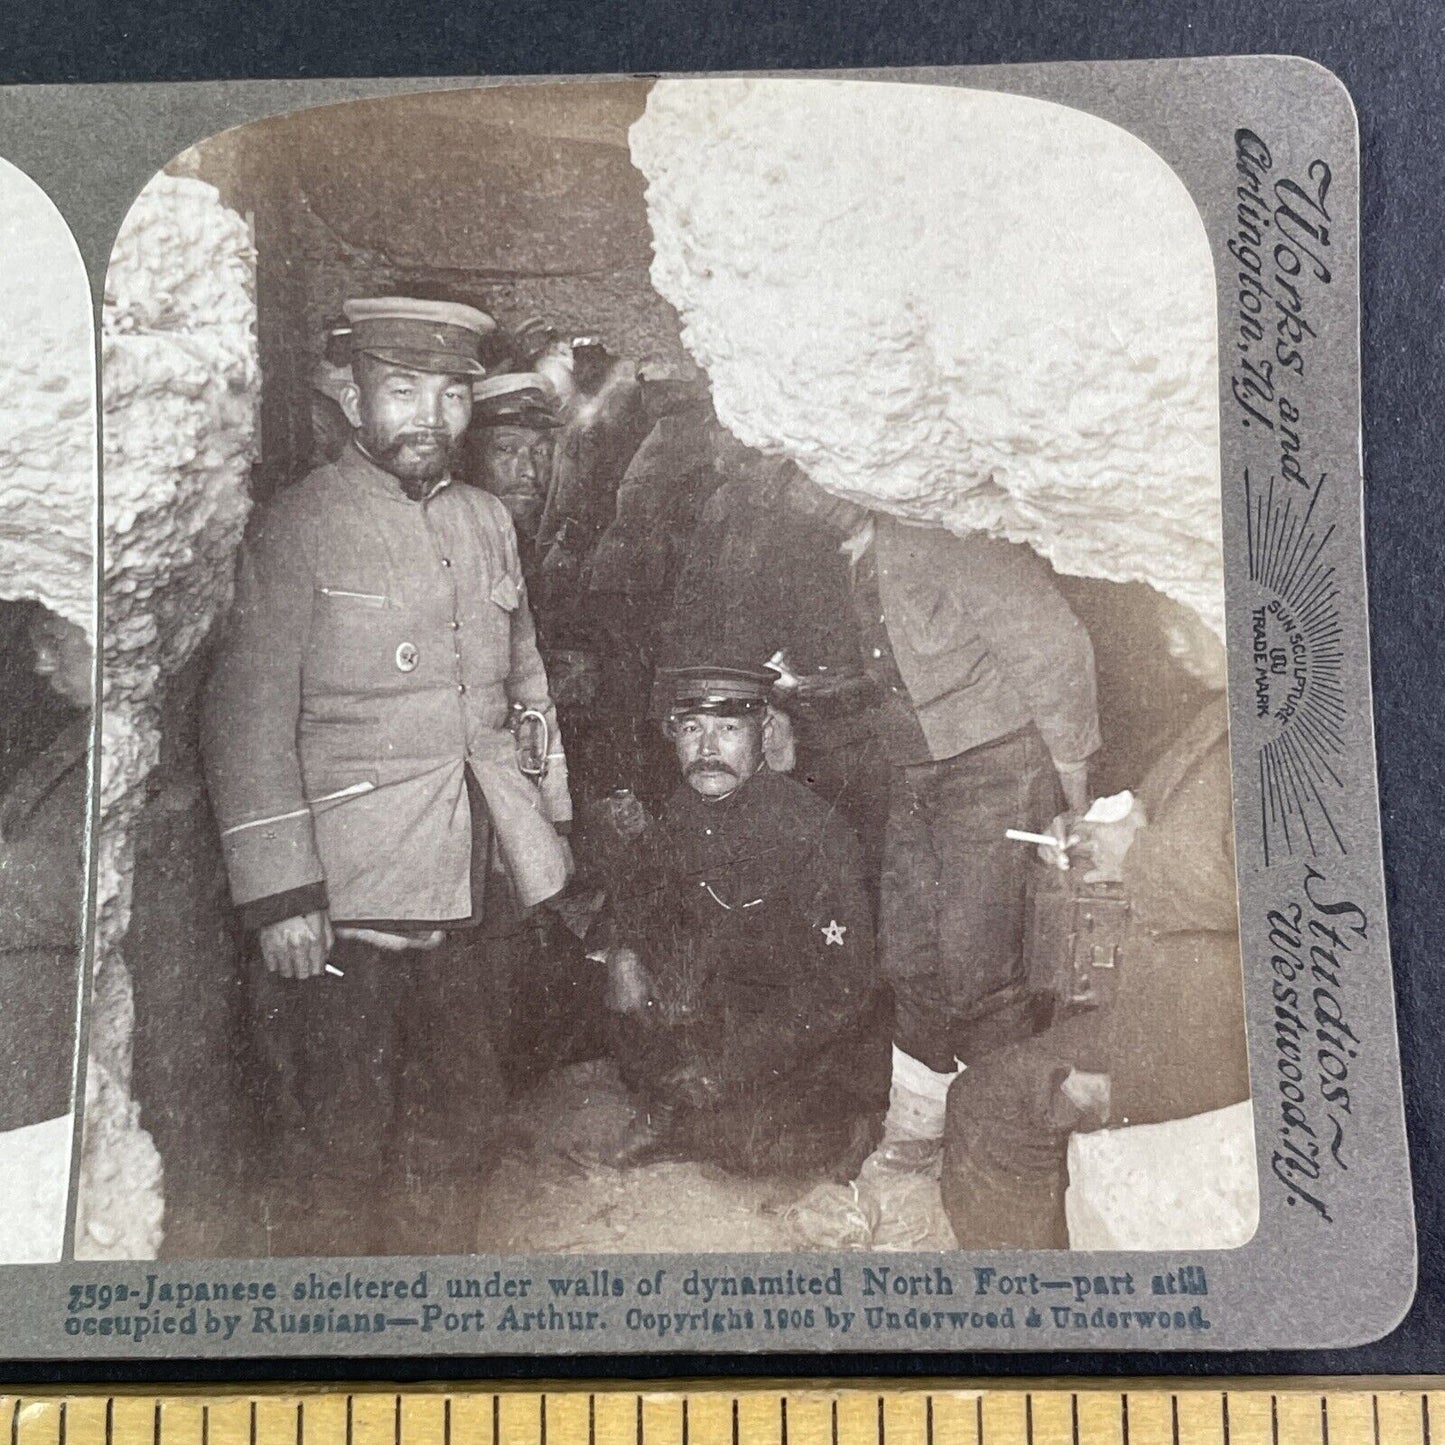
[[358, 468], [739, 801]]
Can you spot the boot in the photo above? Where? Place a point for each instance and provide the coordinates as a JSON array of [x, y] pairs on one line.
[[912, 1140]]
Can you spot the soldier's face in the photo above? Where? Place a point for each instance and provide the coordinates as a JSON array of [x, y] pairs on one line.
[[408, 421], [513, 468], [717, 754]]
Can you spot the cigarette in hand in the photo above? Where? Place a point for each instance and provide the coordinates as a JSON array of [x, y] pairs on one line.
[[1044, 840], [1059, 844], [335, 972]]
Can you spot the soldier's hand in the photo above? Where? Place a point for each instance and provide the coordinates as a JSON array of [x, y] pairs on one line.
[[297, 947], [1064, 830]]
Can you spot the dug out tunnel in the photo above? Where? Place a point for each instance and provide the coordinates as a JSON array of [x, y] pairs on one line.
[[523, 201]]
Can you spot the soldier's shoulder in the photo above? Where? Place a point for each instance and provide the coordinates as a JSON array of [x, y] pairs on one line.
[[304, 501], [487, 509], [788, 798]]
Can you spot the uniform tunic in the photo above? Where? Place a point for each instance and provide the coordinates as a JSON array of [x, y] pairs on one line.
[[752, 915], [371, 656]]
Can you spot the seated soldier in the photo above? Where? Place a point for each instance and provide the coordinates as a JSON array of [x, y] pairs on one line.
[[1170, 1043], [751, 1021]]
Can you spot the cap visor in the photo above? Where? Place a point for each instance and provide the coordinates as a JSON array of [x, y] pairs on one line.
[[442, 363]]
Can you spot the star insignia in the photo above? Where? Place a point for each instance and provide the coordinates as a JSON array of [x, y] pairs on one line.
[[833, 932]]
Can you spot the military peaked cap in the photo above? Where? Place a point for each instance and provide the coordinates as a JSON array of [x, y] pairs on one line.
[[433, 336]]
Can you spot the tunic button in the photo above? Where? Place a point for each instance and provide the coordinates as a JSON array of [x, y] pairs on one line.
[[446, 561], [877, 652], [461, 687], [456, 626]]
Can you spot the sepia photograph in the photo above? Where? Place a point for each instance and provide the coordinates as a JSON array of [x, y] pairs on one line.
[[47, 685], [665, 686]]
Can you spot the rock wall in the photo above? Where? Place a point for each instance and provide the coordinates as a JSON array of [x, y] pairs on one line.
[[47, 407], [179, 379], [968, 308], [47, 553]]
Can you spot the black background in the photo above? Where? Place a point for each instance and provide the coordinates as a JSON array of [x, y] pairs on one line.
[[1391, 55]]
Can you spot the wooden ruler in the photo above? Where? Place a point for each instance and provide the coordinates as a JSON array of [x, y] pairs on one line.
[[1280, 1412]]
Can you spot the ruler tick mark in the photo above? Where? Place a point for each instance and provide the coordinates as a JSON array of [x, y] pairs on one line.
[[62, 1422], [156, 1424], [735, 1420], [783, 1420], [110, 1423], [1274, 1419], [447, 1421], [348, 1417], [1324, 1421], [592, 1420], [496, 1418], [1174, 1418], [928, 1420], [834, 1421], [300, 1422], [348, 1420], [639, 1422], [882, 1431], [1124, 1416], [205, 1425], [1074, 1415], [1029, 1416], [684, 1420], [396, 1422], [1375, 1410], [541, 1420], [1224, 1412], [15, 1422], [978, 1418]]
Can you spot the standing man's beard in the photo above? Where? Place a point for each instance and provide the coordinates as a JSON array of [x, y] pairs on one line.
[[417, 459]]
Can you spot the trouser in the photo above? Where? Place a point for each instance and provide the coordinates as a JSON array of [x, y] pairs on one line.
[[381, 1097], [1007, 1131], [953, 897], [38, 993]]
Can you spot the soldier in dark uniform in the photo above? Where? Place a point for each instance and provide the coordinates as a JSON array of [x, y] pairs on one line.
[[512, 426], [1170, 1043], [755, 1029]]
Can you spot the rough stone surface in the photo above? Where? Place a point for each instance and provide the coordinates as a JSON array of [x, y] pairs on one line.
[[47, 551], [47, 407], [969, 308], [34, 1180], [1189, 1184], [180, 376]]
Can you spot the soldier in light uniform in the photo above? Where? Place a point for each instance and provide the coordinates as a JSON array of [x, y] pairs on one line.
[[364, 780], [755, 1030]]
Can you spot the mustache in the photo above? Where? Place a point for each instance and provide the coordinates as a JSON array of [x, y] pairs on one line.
[[708, 765], [414, 438]]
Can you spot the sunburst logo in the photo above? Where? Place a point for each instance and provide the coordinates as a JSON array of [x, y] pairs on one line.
[[1295, 664]]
